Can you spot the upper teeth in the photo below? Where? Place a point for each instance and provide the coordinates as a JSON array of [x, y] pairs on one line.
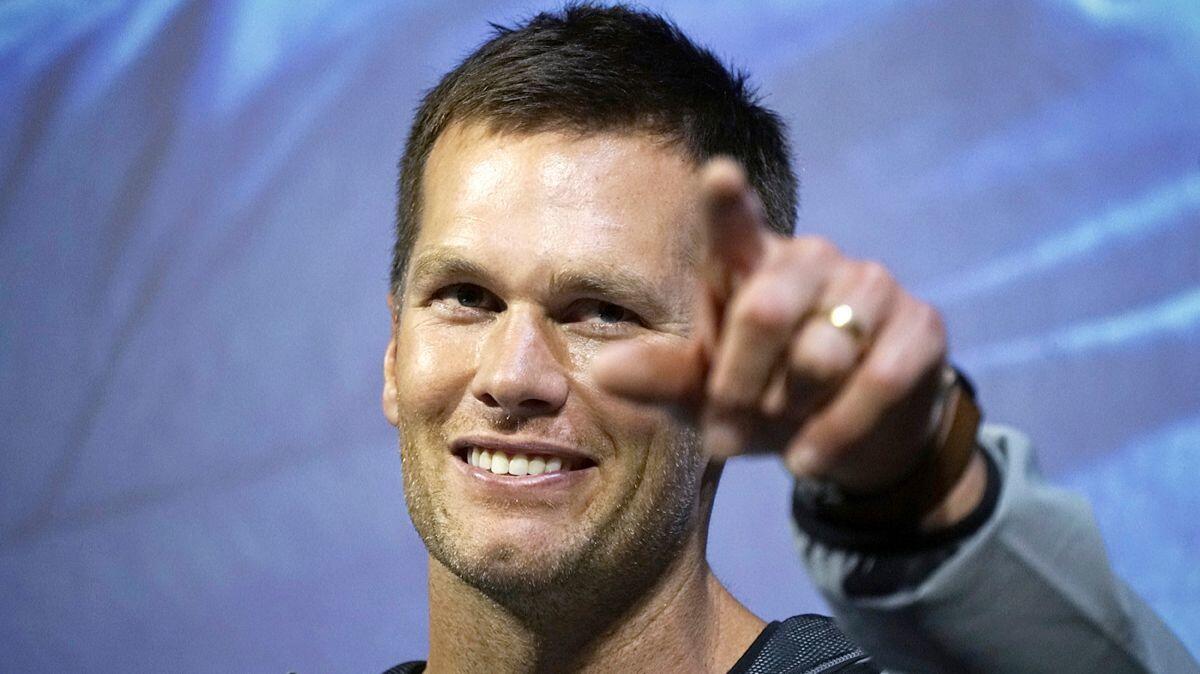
[[513, 464]]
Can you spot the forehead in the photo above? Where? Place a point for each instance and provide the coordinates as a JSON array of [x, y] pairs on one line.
[[553, 198]]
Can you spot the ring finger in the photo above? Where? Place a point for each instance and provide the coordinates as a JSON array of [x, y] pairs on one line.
[[833, 339]]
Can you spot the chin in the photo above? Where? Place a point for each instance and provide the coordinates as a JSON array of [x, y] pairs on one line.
[[504, 546], [514, 551], [516, 565]]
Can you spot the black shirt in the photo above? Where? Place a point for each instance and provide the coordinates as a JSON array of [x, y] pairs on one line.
[[803, 644]]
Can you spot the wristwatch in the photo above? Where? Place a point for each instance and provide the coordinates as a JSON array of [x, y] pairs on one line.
[[941, 464]]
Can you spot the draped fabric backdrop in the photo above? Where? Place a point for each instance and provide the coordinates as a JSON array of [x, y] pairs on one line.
[[196, 201]]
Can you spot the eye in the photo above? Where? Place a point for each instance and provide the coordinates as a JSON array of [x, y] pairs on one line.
[[603, 315], [469, 296], [461, 296], [608, 312]]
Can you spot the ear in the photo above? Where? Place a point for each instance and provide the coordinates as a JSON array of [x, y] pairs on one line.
[[390, 399]]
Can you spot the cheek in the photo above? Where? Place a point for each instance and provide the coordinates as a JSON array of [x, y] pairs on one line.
[[432, 370], [671, 443], [661, 438], [650, 428], [581, 352]]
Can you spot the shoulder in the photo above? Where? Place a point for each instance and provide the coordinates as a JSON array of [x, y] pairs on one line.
[[414, 667], [804, 643]]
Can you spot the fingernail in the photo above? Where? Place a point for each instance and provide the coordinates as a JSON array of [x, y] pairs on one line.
[[721, 439], [799, 460]]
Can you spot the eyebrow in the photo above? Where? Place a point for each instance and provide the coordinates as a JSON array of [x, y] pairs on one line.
[[443, 263], [608, 282]]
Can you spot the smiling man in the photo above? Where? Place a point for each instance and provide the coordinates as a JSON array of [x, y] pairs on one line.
[[596, 301]]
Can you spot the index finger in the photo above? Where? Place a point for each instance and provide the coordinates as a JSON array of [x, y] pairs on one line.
[[735, 220]]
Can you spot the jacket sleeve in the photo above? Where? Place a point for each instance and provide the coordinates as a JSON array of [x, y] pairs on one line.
[[1029, 589]]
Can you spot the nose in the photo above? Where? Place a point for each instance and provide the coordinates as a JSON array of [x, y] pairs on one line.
[[518, 372]]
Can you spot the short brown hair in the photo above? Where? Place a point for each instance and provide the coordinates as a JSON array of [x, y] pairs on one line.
[[589, 69]]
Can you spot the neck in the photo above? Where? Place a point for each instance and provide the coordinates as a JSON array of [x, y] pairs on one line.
[[683, 620]]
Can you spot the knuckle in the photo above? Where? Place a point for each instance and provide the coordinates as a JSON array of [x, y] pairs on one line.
[[721, 400], [889, 378], [804, 461], [814, 458], [727, 401], [931, 321], [875, 276], [932, 327], [760, 312], [815, 248], [775, 399], [727, 393], [817, 366], [788, 255]]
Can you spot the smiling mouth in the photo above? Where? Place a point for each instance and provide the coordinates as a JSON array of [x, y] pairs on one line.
[[521, 464]]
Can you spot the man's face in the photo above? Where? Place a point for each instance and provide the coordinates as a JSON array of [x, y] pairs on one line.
[[535, 251]]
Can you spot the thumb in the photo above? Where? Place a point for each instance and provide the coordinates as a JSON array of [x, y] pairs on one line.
[[652, 373]]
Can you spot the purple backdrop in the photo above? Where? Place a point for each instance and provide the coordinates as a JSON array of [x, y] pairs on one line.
[[195, 212]]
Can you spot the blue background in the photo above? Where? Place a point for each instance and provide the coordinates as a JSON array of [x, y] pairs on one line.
[[195, 216]]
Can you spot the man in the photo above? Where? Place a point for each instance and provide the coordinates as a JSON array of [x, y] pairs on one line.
[[595, 302]]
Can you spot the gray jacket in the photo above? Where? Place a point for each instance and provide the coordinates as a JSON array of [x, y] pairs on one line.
[[1030, 591]]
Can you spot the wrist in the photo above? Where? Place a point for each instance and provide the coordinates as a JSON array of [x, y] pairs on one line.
[[901, 539], [962, 500], [946, 482]]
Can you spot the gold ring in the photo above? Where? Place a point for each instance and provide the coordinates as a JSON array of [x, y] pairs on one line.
[[843, 317]]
